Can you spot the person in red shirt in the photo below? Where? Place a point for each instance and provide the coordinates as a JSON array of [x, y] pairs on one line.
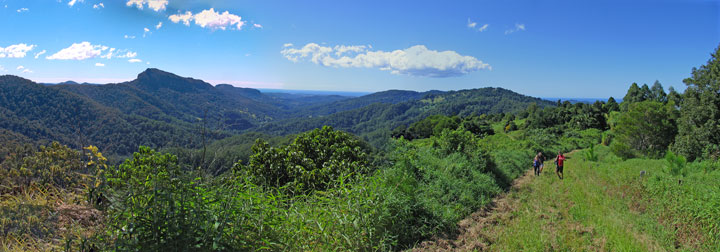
[[560, 161]]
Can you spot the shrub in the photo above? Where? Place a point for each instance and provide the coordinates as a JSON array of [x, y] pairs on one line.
[[590, 154], [675, 164], [314, 161]]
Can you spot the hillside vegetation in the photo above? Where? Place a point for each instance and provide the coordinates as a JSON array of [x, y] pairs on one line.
[[392, 175]]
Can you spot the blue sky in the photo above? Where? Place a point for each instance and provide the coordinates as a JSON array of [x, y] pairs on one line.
[[539, 48]]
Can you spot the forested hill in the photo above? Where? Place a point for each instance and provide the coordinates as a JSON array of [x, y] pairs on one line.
[[161, 109], [41, 113], [374, 122]]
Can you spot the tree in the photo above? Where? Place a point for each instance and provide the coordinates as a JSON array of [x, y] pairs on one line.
[[657, 93], [314, 161], [647, 127], [674, 97], [611, 105], [699, 128], [634, 94], [645, 92]]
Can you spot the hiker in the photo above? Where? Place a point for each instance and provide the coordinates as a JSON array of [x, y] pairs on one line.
[[541, 158], [536, 165], [560, 161]]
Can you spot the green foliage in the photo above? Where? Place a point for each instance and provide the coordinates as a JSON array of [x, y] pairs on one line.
[[510, 126], [647, 127], [448, 182], [622, 150], [314, 161], [699, 123], [590, 154], [675, 164], [607, 137], [52, 166]]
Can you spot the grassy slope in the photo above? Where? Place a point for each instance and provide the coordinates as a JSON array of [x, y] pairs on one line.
[[599, 206]]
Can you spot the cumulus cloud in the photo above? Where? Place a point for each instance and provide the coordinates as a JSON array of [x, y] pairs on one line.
[[518, 27], [15, 51], [157, 27], [185, 18], [27, 71], [134, 60], [37, 55], [210, 19], [415, 61], [99, 64], [21, 10], [146, 31], [156, 5], [258, 26], [86, 50], [287, 45], [98, 6], [79, 51], [129, 37], [20, 67], [72, 2]]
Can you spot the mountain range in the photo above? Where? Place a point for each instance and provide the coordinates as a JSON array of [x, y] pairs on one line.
[[161, 109]]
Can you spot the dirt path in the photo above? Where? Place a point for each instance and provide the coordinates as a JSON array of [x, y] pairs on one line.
[[474, 231]]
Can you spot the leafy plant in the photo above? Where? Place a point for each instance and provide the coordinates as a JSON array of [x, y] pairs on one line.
[[675, 164], [590, 154]]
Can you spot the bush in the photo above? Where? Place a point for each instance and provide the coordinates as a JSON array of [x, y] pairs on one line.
[[622, 150], [607, 137], [314, 161], [590, 154], [675, 164]]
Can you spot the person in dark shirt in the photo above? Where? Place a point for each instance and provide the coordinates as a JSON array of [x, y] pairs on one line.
[[541, 158]]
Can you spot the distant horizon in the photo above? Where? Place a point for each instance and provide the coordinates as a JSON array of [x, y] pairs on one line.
[[542, 48], [354, 93]]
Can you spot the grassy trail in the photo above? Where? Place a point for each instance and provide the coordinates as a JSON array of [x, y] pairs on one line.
[[593, 209]]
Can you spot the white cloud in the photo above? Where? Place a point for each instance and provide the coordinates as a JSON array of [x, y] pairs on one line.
[[156, 5], [258, 26], [2, 69], [210, 19], [23, 10], [415, 61], [81, 51], [129, 37], [16, 51], [184, 18], [483, 28], [123, 53], [72, 2], [134, 60], [37, 55], [98, 6], [20, 67], [128, 54], [157, 27], [99, 64], [27, 71], [471, 24], [518, 27], [145, 31], [287, 45]]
